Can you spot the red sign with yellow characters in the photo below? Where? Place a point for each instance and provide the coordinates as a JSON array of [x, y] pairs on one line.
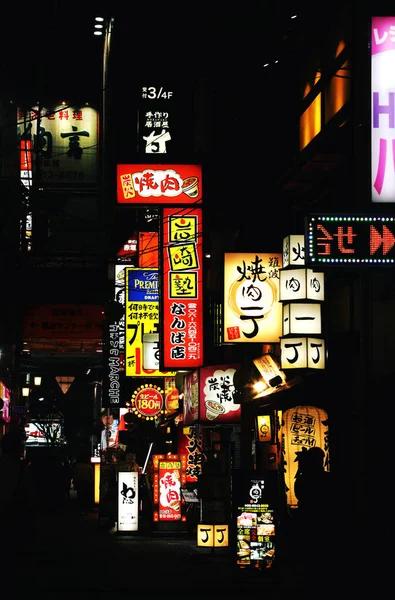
[[182, 288]]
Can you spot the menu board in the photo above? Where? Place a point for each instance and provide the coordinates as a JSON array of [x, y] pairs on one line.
[[256, 523]]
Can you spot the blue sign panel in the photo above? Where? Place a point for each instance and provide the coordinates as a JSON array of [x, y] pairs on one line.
[[143, 285]]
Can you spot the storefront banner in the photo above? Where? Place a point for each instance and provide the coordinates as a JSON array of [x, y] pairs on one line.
[[216, 398], [159, 184], [252, 311], [142, 317], [128, 501], [182, 288], [67, 139]]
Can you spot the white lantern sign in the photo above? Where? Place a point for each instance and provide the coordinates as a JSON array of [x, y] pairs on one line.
[[293, 251], [302, 318], [301, 284]]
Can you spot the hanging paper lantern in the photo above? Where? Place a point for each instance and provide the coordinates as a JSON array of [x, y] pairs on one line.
[[303, 427]]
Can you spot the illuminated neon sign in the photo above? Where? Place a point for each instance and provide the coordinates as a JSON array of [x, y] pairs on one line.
[[351, 240]]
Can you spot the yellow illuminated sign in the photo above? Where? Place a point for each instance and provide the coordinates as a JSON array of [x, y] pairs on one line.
[[142, 317], [212, 536]]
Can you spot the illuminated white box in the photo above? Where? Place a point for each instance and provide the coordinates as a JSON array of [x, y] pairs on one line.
[[302, 318], [301, 284]]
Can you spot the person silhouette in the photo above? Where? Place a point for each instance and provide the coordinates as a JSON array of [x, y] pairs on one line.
[[314, 491]]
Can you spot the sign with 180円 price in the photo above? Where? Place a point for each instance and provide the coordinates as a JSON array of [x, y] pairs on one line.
[[351, 240]]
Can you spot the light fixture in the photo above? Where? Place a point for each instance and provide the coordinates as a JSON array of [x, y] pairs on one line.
[[98, 26], [25, 392], [99, 19], [37, 380], [97, 32], [41, 399]]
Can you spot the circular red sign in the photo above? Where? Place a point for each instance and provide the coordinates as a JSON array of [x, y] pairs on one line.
[[148, 402]]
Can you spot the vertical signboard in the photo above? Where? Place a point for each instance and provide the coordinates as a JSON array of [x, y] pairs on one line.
[[383, 109], [190, 443], [128, 501], [169, 478], [252, 312], [164, 118], [67, 139], [255, 500], [142, 317], [182, 278], [155, 115]]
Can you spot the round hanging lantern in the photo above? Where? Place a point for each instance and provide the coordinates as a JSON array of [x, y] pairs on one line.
[[303, 427]]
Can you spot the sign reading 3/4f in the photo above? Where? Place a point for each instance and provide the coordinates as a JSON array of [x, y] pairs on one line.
[[154, 93], [351, 240]]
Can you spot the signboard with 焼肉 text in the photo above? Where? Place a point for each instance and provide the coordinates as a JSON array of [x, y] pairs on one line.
[[252, 312]]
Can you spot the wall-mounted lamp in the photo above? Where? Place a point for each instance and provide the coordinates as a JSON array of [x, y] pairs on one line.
[[37, 380], [25, 392]]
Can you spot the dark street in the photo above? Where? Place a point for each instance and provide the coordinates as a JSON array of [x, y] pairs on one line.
[[72, 557]]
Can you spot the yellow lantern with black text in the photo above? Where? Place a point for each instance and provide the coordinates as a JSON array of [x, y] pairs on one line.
[[303, 427]]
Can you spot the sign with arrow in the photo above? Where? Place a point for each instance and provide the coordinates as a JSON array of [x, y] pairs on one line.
[[357, 240]]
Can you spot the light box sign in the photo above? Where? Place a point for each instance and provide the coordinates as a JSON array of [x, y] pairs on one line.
[[212, 536], [383, 109], [217, 392], [156, 115], [159, 184], [255, 514], [142, 317], [351, 240], [303, 428], [169, 478], [67, 137], [252, 312], [147, 399], [128, 501], [182, 288]]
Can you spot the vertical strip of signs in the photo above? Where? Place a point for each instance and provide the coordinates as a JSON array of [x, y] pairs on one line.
[[182, 288], [119, 296]]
